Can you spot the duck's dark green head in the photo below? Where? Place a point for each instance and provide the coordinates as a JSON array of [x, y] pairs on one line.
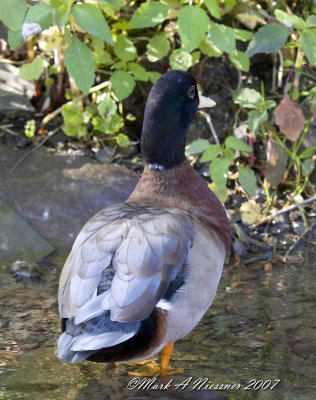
[[170, 108]]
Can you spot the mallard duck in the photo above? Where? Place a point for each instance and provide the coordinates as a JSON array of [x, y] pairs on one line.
[[142, 273]]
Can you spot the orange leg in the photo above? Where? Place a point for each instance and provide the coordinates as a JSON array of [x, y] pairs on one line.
[[165, 356]]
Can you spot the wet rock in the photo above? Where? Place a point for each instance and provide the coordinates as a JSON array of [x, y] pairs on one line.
[[57, 193], [13, 105], [18, 240]]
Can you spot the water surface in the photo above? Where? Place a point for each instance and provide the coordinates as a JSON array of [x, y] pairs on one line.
[[260, 328]]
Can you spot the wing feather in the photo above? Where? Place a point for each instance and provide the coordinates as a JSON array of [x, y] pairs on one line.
[[144, 246]]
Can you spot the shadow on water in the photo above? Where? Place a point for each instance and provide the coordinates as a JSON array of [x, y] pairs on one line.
[[260, 328]]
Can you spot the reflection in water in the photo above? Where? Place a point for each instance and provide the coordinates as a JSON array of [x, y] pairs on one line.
[[260, 328]]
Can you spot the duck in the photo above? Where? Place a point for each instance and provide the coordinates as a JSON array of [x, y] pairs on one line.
[[142, 273]]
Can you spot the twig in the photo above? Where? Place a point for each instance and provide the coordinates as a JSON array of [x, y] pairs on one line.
[[298, 239], [209, 121], [285, 210], [34, 149], [5, 128]]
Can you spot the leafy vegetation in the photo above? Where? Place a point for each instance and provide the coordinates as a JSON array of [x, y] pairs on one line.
[[94, 53]]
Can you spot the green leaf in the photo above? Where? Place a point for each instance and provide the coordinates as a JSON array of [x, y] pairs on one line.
[[107, 106], [307, 166], [79, 62], [247, 180], [229, 154], [193, 24], [270, 104], [294, 20], [32, 70], [311, 21], [256, 118], [115, 4], [197, 146], [158, 47], [229, 5], [196, 55], [122, 140], [153, 76], [210, 153], [208, 48], [123, 84], [248, 98], [309, 152], [268, 39], [220, 192], [72, 114], [219, 171], [138, 71], [62, 15], [180, 59], [12, 13], [236, 144], [223, 37], [41, 14], [242, 34], [149, 15], [213, 7], [124, 49], [308, 43], [91, 20], [15, 39], [240, 60]]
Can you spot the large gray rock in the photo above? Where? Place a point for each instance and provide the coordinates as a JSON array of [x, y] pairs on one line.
[[56, 193], [18, 240]]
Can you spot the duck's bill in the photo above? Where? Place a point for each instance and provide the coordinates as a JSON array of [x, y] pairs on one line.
[[205, 102]]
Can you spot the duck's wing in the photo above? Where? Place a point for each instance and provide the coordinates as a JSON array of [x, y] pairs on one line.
[[144, 247]]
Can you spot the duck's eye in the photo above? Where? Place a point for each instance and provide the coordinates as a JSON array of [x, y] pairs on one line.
[[191, 92]]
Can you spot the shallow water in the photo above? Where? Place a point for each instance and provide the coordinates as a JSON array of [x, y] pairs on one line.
[[261, 327]]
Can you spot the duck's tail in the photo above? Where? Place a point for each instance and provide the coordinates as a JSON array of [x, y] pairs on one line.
[[78, 342]]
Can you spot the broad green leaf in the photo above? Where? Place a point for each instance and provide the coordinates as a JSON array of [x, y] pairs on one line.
[[107, 106], [180, 59], [91, 20], [15, 39], [197, 146], [213, 7], [72, 114], [12, 13], [115, 4], [236, 144], [270, 104], [124, 49], [138, 71], [171, 3], [32, 70], [229, 5], [62, 15], [123, 84], [223, 37], [210, 153], [308, 43], [41, 14], [208, 48], [109, 125], [158, 47], [247, 180], [80, 65], [122, 140], [219, 171], [268, 39], [148, 15], [294, 20], [311, 20], [153, 76], [242, 34], [193, 24], [308, 166], [240, 60], [248, 98], [256, 118], [196, 55], [220, 192]]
